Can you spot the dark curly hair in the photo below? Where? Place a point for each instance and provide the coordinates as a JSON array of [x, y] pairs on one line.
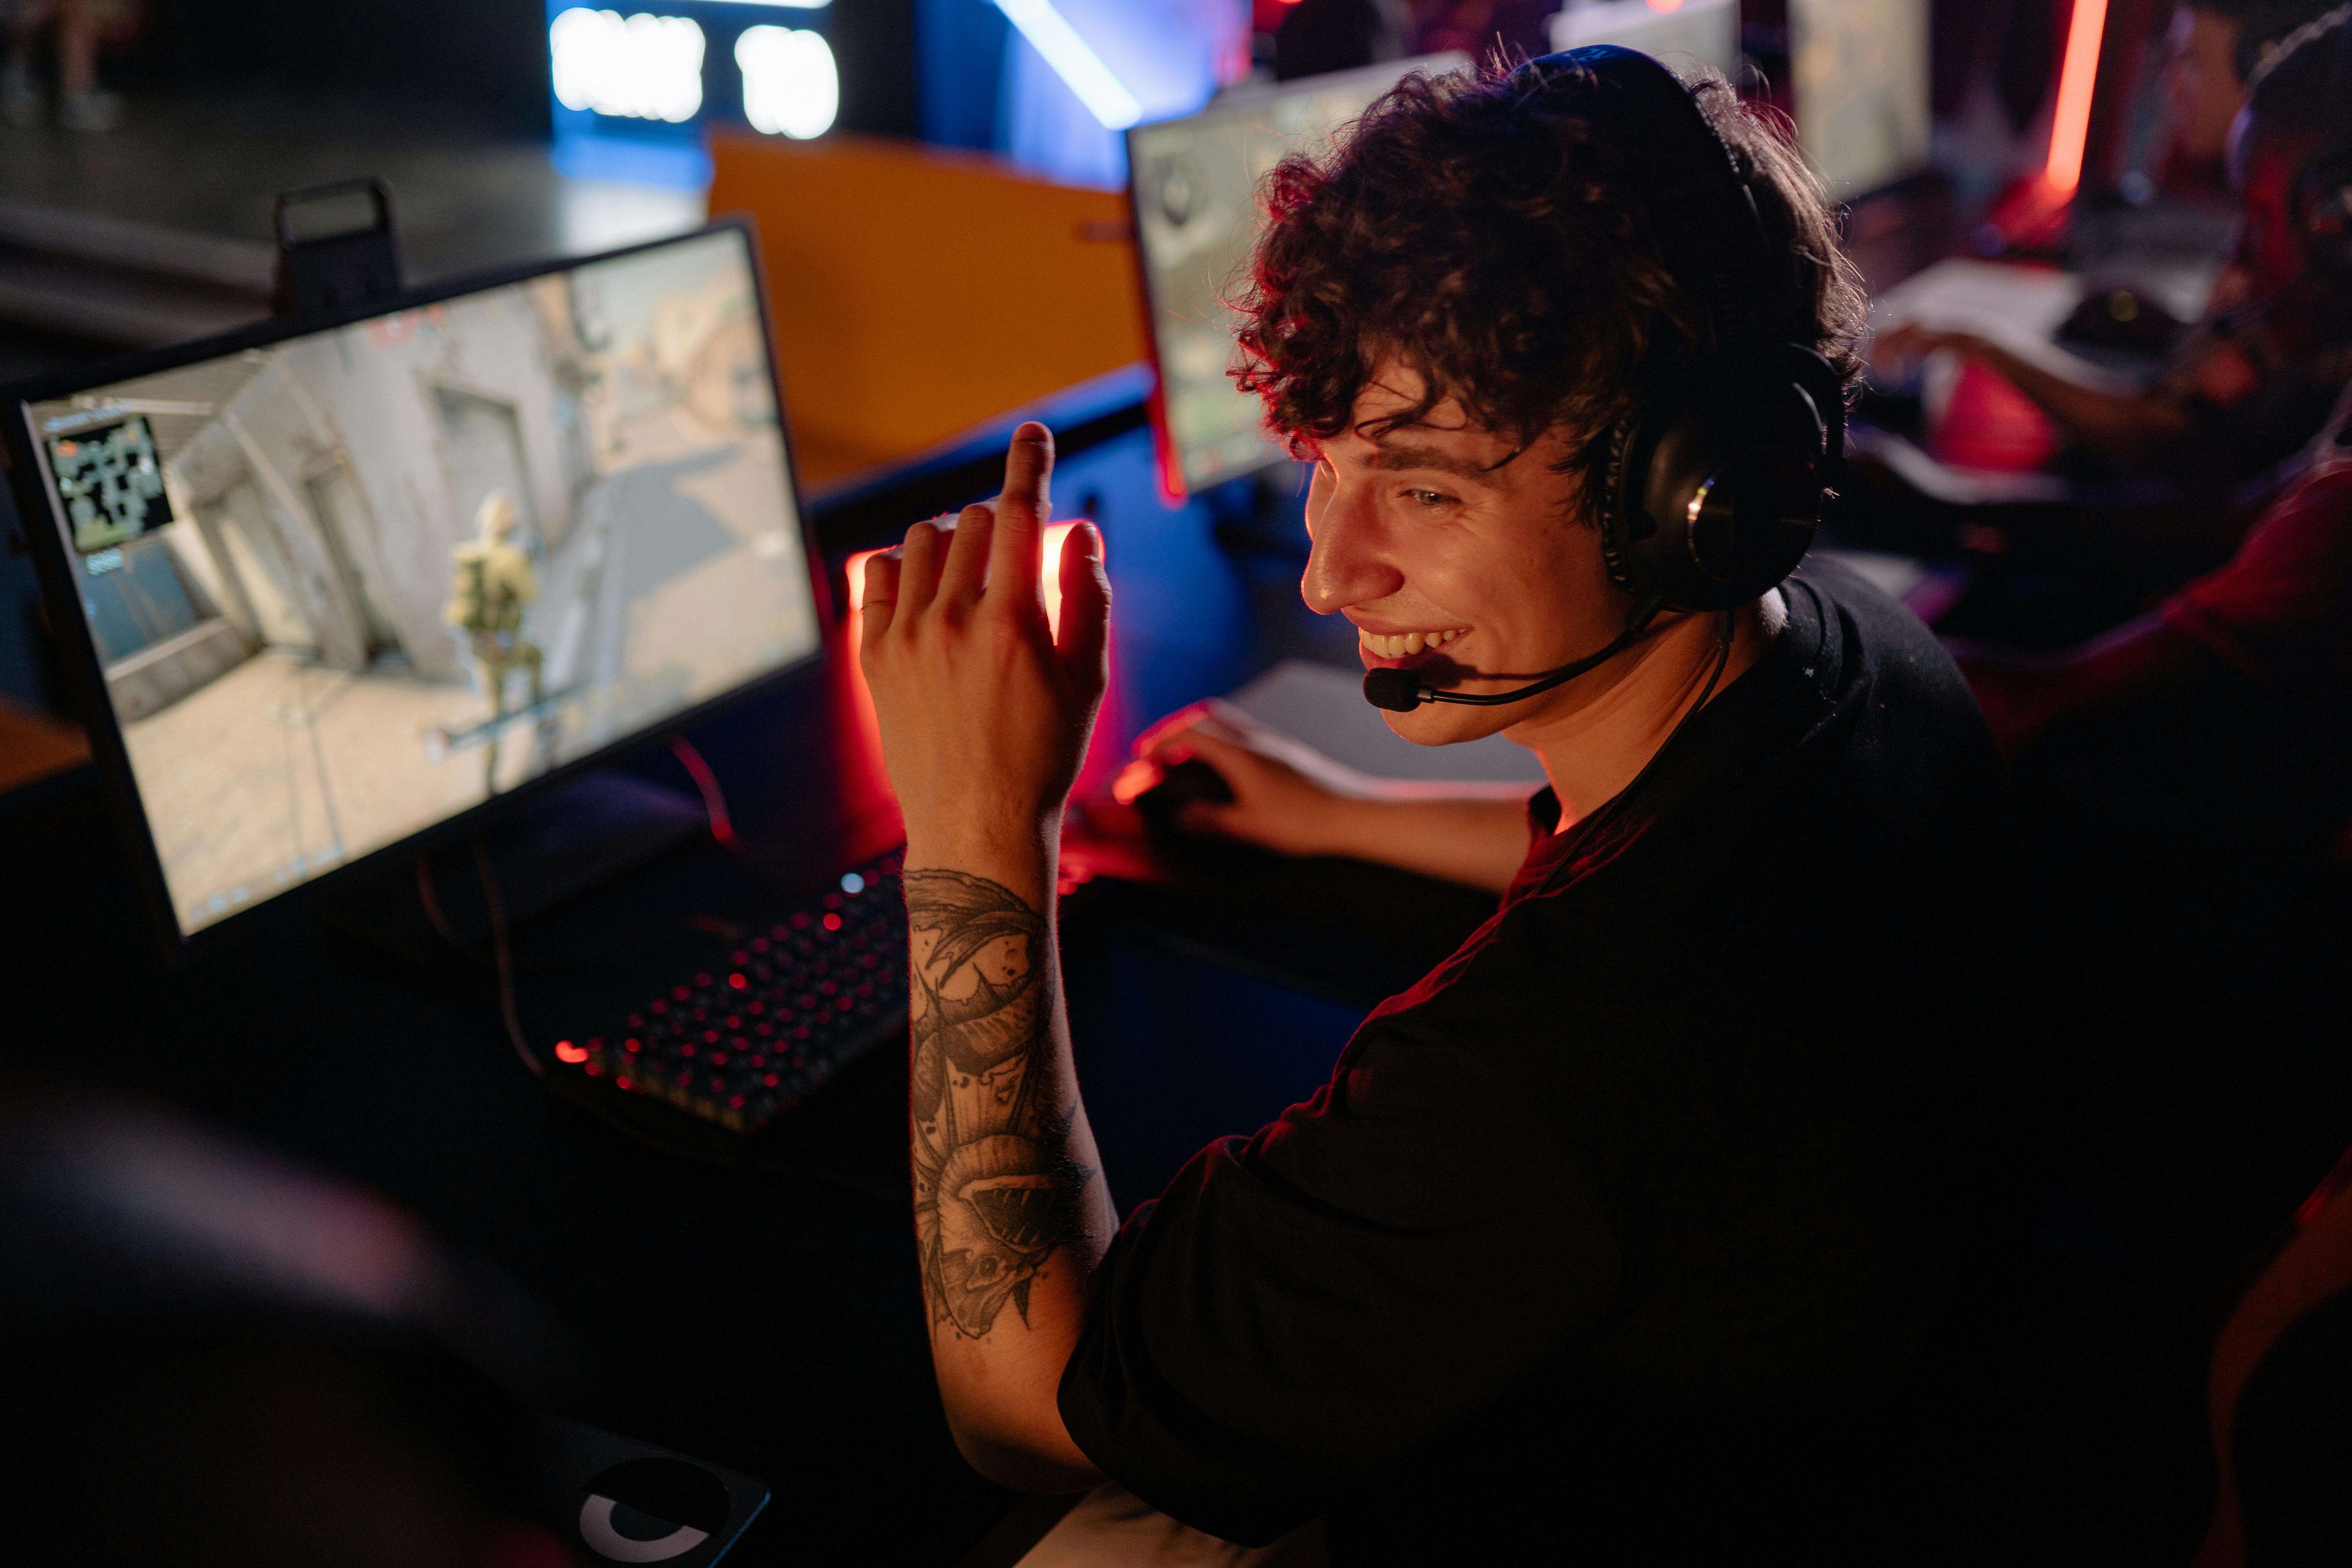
[[1480, 230]]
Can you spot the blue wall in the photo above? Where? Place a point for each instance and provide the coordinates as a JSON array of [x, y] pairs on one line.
[[959, 70]]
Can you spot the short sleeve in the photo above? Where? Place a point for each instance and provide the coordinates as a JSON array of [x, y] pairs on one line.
[[2282, 608], [1306, 1306]]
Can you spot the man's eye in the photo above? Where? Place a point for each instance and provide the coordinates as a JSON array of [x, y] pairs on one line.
[[1432, 499]]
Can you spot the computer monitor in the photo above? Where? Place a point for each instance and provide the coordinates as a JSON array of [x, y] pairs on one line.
[[337, 584], [1196, 214], [1706, 31], [1858, 70]]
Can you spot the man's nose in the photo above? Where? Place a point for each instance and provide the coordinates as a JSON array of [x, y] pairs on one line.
[[1349, 561]]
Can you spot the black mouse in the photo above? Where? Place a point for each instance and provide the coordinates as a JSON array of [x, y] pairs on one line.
[[2124, 320], [1177, 786]]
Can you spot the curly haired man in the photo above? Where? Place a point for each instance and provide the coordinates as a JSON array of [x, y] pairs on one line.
[[1651, 1226]]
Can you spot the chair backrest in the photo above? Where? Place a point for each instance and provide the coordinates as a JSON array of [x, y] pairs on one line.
[[2302, 1292], [917, 291]]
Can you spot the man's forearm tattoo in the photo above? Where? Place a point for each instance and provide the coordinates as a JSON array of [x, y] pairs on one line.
[[995, 1189]]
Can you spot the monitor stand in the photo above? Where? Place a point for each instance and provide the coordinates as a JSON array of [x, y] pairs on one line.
[[557, 844]]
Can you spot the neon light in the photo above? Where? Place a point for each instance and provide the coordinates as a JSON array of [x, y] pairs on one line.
[[2070, 123], [645, 67], [791, 86], [1051, 35], [1665, 8]]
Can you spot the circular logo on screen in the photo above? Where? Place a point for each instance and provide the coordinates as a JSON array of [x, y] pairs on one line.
[[651, 1510]]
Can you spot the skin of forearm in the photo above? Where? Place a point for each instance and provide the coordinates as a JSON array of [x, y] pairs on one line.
[[1010, 1212], [2128, 430], [1479, 843], [2142, 664]]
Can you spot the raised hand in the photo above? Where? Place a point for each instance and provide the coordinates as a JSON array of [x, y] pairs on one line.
[[984, 717]]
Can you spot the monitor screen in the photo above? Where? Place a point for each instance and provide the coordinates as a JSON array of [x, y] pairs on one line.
[[1196, 216], [1706, 31], [1859, 71], [350, 584]]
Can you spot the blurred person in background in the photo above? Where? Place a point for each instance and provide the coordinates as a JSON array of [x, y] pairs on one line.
[[1319, 36], [2253, 382], [2218, 724], [1521, 28], [81, 27], [2214, 48], [2160, 485]]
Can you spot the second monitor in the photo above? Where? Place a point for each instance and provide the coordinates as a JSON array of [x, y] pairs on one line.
[[1196, 216]]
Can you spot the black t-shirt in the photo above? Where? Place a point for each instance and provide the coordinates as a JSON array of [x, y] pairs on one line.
[[1643, 1224]]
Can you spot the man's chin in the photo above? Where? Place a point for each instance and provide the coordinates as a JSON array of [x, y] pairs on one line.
[[1448, 724]]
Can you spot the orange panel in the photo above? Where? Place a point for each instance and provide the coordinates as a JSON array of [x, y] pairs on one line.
[[917, 292]]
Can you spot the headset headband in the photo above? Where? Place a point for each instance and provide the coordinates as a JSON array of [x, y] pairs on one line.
[[1700, 210]]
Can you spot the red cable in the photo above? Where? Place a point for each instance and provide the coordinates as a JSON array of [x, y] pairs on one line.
[[714, 805]]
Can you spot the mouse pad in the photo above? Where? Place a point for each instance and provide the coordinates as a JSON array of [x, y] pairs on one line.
[[615, 1500]]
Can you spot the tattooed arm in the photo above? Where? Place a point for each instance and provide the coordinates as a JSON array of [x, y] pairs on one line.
[[984, 715]]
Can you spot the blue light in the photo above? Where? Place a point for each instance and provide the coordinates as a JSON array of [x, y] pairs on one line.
[[1050, 34]]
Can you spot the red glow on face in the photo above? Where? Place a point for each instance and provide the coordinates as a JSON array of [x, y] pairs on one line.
[[565, 1051], [833, 922]]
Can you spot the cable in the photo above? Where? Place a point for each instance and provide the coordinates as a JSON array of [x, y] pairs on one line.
[[507, 1007], [430, 896], [714, 804], [1722, 658]]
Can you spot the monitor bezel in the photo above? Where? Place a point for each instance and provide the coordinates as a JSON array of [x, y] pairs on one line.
[[1165, 446], [84, 666]]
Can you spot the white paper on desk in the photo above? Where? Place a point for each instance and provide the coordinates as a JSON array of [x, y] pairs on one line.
[[2017, 307], [1314, 717]]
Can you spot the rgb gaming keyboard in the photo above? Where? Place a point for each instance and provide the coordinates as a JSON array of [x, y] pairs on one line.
[[739, 1043]]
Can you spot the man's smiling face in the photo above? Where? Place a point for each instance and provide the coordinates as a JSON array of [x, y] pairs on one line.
[[1457, 559]]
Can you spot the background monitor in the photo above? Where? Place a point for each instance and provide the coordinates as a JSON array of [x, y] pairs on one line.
[[1858, 69], [1703, 30], [343, 586], [1195, 189]]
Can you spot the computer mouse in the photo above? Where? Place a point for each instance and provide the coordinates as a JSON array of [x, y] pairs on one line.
[[2123, 320], [1166, 788], [1180, 784]]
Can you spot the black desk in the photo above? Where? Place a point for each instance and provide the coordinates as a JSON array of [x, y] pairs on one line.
[[767, 1320]]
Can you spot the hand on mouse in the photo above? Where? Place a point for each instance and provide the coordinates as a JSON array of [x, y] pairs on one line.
[[984, 715], [1275, 807], [1902, 345]]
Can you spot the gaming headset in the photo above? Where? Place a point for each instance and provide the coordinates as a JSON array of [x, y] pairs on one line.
[[2322, 190], [1716, 482]]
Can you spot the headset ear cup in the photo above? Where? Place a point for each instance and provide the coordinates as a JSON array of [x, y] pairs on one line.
[[1724, 477], [2323, 207], [1826, 388]]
